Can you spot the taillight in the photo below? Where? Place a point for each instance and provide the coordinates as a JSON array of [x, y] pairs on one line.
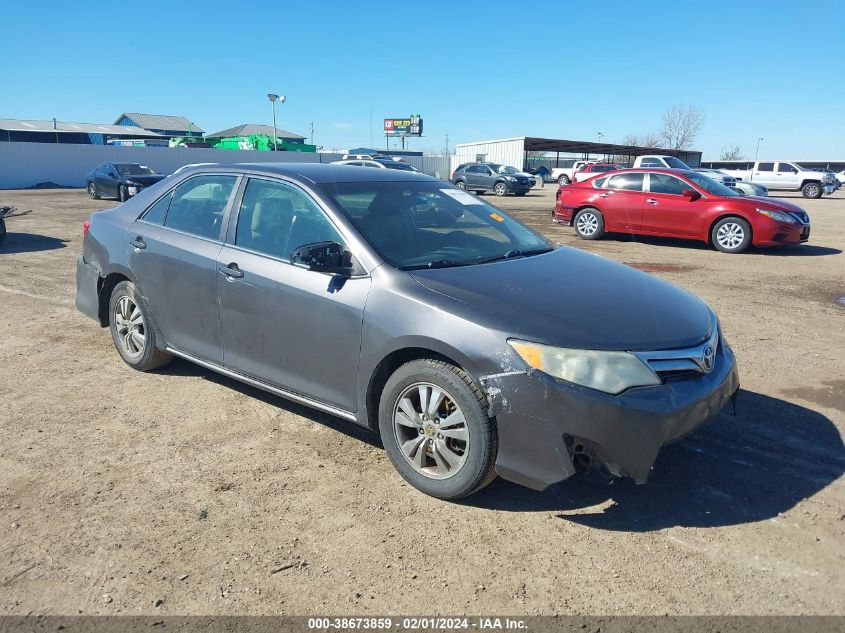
[[453, 175], [86, 226]]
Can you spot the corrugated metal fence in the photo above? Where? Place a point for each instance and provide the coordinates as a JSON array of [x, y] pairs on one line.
[[23, 165]]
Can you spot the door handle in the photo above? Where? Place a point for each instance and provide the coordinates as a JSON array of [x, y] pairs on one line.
[[138, 243], [604, 195], [232, 271], [651, 201]]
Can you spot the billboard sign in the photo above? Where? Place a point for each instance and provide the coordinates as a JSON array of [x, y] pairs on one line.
[[410, 126]]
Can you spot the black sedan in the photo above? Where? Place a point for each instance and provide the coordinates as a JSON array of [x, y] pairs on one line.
[[120, 180]]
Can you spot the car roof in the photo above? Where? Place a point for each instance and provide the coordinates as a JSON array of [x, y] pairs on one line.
[[316, 173], [654, 170]]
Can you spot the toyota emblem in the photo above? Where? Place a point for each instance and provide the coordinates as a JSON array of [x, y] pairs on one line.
[[708, 359]]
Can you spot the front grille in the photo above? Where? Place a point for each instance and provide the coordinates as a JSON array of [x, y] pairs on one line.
[[805, 234], [673, 364], [801, 216]]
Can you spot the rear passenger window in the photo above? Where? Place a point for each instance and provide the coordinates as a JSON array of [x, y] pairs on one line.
[[155, 214], [276, 218], [766, 167], [627, 182], [198, 205]]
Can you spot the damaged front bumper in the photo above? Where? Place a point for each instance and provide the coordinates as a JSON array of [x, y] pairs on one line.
[[550, 429]]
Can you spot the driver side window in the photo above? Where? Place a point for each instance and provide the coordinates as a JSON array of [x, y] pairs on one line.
[[275, 219]]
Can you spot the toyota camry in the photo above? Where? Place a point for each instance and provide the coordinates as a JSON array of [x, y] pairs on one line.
[[413, 308]]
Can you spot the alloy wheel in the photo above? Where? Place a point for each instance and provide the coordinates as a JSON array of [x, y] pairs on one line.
[[500, 189], [130, 326], [431, 430], [587, 224], [730, 235], [811, 190]]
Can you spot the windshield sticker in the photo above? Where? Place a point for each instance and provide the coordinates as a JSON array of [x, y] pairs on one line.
[[461, 196], [497, 217]]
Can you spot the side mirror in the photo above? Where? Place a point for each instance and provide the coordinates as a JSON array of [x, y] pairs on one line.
[[692, 194], [324, 257]]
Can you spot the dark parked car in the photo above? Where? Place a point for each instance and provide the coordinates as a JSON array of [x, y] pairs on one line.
[[481, 177], [414, 309], [120, 180]]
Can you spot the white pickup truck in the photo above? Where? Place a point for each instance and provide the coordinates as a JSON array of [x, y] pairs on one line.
[[787, 176], [660, 162], [564, 173]]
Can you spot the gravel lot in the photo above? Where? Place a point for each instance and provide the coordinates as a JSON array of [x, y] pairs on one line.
[[184, 492]]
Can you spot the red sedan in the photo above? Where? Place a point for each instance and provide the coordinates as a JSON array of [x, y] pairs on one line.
[[678, 203], [594, 169]]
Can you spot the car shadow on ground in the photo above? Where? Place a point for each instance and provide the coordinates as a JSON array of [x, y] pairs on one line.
[[180, 367], [736, 470], [29, 243], [804, 250]]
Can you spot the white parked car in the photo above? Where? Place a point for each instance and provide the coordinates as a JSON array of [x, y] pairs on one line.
[[379, 164]]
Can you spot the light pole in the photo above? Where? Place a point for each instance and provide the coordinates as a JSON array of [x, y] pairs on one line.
[[273, 98], [600, 135], [756, 154]]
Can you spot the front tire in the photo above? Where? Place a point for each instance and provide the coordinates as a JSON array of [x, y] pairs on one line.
[[563, 180], [2, 230], [131, 330], [812, 190], [92, 191], [589, 224], [435, 429], [122, 194], [500, 189], [731, 235]]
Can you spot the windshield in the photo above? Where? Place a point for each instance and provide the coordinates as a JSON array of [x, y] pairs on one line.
[[507, 169], [133, 170], [432, 224], [711, 186], [601, 168], [676, 163]]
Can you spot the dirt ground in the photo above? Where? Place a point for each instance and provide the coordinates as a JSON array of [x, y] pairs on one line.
[[182, 492]]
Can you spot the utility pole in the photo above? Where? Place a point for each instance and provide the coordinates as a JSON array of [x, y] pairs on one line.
[[756, 154], [312, 132]]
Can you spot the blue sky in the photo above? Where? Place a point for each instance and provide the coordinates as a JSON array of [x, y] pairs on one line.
[[473, 70]]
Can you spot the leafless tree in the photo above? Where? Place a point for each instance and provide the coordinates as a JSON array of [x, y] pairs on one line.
[[731, 152], [646, 140], [681, 124]]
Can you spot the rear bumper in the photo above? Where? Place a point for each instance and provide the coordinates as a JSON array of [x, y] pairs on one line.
[[547, 426], [87, 297]]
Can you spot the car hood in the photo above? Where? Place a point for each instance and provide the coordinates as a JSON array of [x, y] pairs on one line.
[[571, 298], [144, 179], [773, 203]]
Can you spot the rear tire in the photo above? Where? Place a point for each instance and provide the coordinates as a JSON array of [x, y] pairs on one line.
[[449, 448], [731, 235], [812, 190], [461, 184], [2, 230], [92, 191], [132, 331], [563, 180], [589, 224]]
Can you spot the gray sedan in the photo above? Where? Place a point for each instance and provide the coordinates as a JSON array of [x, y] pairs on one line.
[[471, 344]]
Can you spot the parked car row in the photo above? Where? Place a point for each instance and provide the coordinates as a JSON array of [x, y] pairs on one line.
[[421, 312], [679, 203]]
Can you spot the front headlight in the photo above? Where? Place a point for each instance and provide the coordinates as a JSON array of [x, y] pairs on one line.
[[779, 216], [611, 372], [510, 178]]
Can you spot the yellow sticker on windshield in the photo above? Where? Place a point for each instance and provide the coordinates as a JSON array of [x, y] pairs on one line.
[[497, 217]]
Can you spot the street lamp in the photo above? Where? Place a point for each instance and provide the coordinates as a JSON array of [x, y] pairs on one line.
[[273, 98], [756, 153]]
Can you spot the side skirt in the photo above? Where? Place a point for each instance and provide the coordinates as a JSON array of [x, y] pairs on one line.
[[288, 395]]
